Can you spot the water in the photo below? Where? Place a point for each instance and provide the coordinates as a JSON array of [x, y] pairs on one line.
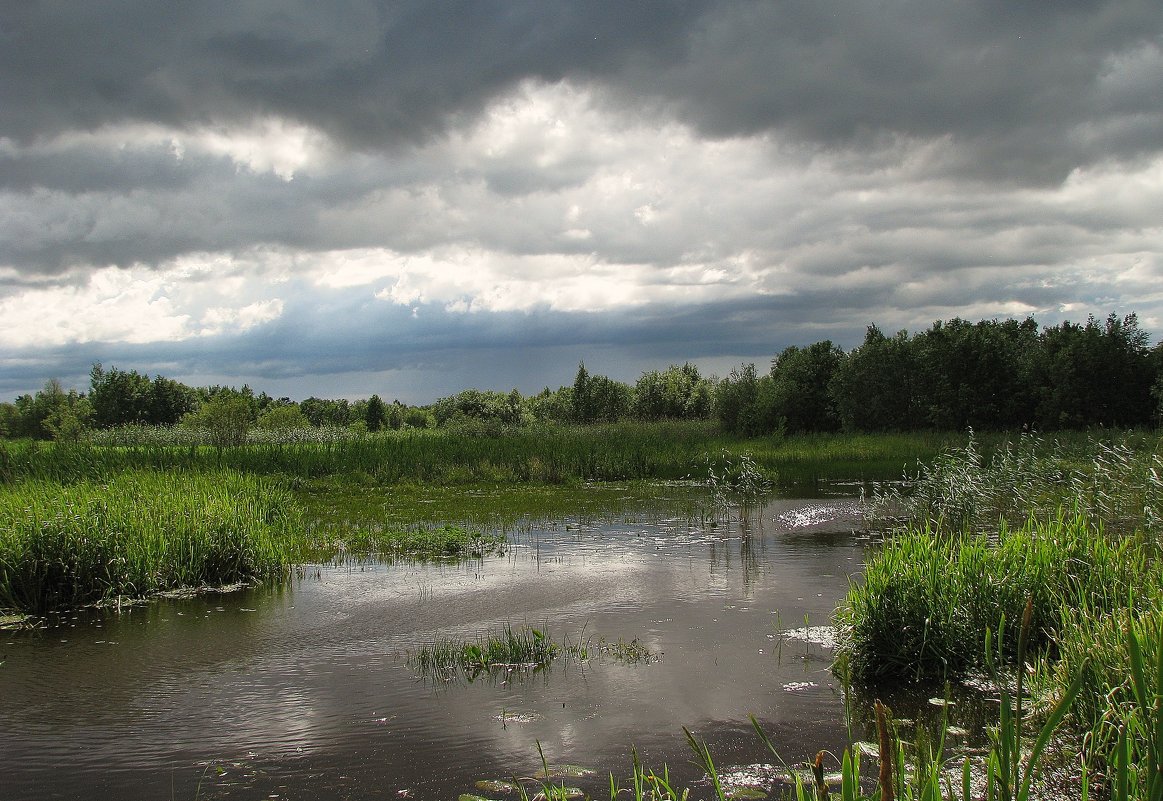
[[307, 690]]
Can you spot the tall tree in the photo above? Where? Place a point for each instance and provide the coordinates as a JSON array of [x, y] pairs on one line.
[[801, 378], [875, 388]]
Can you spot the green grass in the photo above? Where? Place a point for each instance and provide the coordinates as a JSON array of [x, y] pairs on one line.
[[338, 542], [928, 597], [537, 455], [139, 533], [1072, 525], [523, 647]]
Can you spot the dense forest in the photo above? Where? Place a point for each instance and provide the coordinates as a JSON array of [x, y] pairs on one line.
[[1004, 375]]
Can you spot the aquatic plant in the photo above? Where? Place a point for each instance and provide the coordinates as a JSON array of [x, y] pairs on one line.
[[509, 647], [736, 483], [1091, 568], [1118, 482], [339, 541], [524, 648]]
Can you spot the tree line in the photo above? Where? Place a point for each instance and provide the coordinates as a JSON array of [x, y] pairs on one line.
[[992, 374], [1000, 375]]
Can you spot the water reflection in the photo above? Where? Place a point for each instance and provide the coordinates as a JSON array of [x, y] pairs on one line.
[[308, 687]]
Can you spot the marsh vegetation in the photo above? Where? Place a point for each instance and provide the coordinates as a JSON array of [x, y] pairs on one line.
[[982, 529]]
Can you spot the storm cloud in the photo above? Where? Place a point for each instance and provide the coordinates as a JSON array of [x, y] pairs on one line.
[[371, 197]]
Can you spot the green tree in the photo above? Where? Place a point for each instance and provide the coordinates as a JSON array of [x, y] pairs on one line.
[[1096, 374], [583, 403], [119, 397], [375, 414], [675, 393], [395, 418], [745, 403], [552, 406], [225, 418], [977, 375], [169, 401], [281, 417], [9, 419], [875, 388], [321, 412], [599, 399], [52, 413], [801, 378]]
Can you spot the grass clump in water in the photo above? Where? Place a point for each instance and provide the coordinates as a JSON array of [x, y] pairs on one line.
[[137, 534], [331, 543], [523, 648]]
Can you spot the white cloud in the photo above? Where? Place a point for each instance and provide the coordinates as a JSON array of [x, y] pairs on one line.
[[185, 299]]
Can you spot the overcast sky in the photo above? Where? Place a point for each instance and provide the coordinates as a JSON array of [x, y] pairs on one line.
[[413, 198]]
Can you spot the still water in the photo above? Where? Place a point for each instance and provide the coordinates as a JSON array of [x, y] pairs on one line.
[[307, 690]]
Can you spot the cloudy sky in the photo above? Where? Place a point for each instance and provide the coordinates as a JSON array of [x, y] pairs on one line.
[[412, 198]]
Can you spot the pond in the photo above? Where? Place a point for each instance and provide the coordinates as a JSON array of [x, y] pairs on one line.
[[310, 689]]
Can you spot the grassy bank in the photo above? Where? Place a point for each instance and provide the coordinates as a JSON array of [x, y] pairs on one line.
[[140, 532], [1072, 530]]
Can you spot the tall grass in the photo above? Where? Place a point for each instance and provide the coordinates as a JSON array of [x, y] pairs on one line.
[[1116, 481], [928, 597], [1084, 549], [139, 533], [535, 454], [339, 541]]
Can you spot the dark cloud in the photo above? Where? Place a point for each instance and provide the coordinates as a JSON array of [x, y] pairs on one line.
[[1016, 82], [369, 73]]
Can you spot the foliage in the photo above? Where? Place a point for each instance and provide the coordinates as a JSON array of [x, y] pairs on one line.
[[52, 413], [337, 542], [375, 414], [598, 399], [334, 413], [875, 388], [497, 407], [1116, 482], [744, 403], [1081, 367], [225, 419], [801, 378], [122, 397], [735, 481], [677, 393], [539, 454], [282, 417], [525, 647], [1092, 576]]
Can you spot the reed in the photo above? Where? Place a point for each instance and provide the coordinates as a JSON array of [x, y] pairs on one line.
[[1117, 481], [548, 454], [139, 533], [1074, 525], [928, 598]]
